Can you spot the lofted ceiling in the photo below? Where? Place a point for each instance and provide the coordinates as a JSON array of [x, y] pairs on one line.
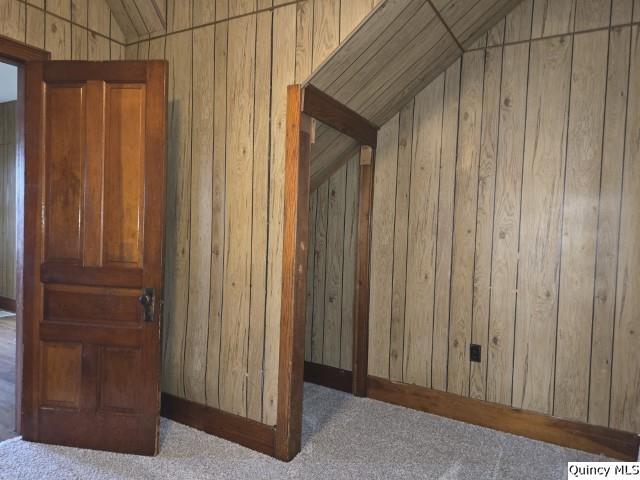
[[139, 18], [392, 55]]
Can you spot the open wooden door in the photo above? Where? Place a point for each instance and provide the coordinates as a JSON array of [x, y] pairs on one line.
[[93, 270]]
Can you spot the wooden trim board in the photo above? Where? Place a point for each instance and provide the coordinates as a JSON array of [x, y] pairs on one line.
[[329, 111], [18, 54], [7, 304], [363, 264], [294, 276], [567, 433], [326, 376], [249, 433]]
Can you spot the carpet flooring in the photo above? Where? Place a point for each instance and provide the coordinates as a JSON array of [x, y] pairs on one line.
[[344, 438]]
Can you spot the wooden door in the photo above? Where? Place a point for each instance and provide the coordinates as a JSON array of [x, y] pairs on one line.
[[94, 221]]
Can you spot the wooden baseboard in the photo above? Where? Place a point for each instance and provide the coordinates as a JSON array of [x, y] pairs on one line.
[[244, 431], [567, 433], [330, 377], [7, 304]]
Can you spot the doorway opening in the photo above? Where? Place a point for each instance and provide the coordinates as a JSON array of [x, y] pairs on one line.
[[8, 261], [13, 57], [324, 140]]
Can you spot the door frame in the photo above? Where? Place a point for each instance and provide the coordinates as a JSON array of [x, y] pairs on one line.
[[18, 54], [305, 103]]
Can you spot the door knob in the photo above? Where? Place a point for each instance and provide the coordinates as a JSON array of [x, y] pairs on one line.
[[147, 302]]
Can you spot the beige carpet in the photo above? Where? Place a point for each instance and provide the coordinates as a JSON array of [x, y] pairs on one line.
[[344, 438]]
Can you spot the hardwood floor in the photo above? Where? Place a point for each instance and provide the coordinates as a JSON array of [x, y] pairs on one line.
[[7, 376]]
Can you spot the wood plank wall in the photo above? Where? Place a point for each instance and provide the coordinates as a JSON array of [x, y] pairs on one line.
[[505, 214], [69, 29], [8, 200], [229, 65], [333, 215]]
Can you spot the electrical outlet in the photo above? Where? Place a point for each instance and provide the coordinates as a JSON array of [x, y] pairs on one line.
[[476, 352]]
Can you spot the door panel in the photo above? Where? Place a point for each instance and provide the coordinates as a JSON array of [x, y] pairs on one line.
[[94, 213], [61, 379], [123, 189], [65, 146]]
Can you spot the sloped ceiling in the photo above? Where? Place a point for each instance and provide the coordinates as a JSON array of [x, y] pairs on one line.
[[391, 56], [139, 18]]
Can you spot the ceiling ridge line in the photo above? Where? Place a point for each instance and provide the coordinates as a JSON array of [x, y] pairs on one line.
[[437, 12]]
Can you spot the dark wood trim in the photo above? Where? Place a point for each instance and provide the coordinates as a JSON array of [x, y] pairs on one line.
[[334, 114], [361, 307], [294, 276], [249, 433], [567, 433], [18, 53], [8, 304], [330, 377]]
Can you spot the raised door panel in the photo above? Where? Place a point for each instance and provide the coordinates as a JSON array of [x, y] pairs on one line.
[[90, 306], [119, 375], [123, 179], [64, 162], [60, 382]]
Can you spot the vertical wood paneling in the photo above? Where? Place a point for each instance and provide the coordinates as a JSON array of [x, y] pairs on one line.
[[579, 225], [382, 230], [542, 189], [204, 11], [592, 14], [304, 40], [283, 74], [195, 357], [308, 332], [99, 48], [260, 220], [238, 219], [506, 227], [349, 263], [536, 143], [99, 17], [442, 298], [333, 275], [401, 224], [241, 7], [304, 58], [422, 234], [351, 14], [608, 226], [621, 11], [484, 217], [57, 37], [326, 29], [61, 8], [179, 14], [464, 230], [319, 273], [12, 19], [625, 386], [217, 213], [35, 27], [552, 17], [178, 54], [8, 200], [518, 22]]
